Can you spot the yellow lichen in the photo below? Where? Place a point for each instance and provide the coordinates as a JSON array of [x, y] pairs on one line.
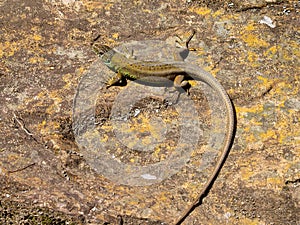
[[246, 221], [108, 6], [265, 80], [250, 138], [93, 5], [229, 17], [275, 181], [47, 127], [286, 55], [203, 11], [246, 172], [8, 48], [269, 134], [115, 36], [270, 52], [146, 10], [253, 41], [218, 13], [37, 37], [253, 59], [68, 79], [156, 152], [34, 60], [254, 109], [250, 27], [163, 196], [296, 48], [132, 160]]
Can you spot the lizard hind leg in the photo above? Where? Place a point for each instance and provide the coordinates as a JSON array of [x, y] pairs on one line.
[[180, 83]]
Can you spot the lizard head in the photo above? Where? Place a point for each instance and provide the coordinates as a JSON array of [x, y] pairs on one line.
[[100, 49], [103, 51]]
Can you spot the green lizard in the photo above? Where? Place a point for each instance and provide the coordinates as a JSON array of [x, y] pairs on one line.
[[180, 73]]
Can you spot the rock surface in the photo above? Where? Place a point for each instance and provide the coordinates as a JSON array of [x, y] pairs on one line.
[[45, 51]]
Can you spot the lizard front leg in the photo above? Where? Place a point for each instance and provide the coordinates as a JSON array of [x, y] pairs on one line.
[[114, 80]]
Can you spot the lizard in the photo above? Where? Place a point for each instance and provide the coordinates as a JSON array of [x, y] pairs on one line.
[[180, 73]]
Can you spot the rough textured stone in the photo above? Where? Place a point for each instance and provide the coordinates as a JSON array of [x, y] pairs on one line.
[[44, 52]]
